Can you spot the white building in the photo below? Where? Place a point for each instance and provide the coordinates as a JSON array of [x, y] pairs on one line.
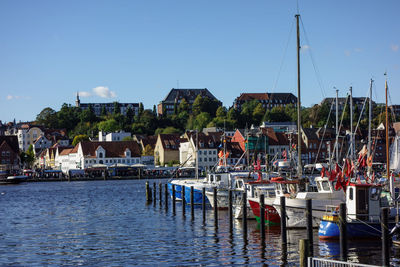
[[27, 136], [87, 154], [117, 136]]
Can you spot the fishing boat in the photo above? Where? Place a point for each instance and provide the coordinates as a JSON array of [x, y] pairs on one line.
[[363, 203], [271, 216], [14, 179]]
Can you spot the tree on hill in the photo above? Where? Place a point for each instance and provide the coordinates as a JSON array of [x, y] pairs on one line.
[[48, 118], [109, 126], [79, 138]]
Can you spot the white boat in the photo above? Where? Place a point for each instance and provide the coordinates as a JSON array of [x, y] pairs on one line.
[[326, 195]]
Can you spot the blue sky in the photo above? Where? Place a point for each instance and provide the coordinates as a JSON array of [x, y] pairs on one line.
[[136, 51]]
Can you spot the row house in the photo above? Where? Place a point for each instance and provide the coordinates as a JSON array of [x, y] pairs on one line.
[[9, 154], [175, 96], [268, 100], [278, 142], [89, 154], [27, 135], [206, 146], [148, 144], [167, 148]]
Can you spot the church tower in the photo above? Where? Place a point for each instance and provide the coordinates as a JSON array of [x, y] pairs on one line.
[[77, 101]]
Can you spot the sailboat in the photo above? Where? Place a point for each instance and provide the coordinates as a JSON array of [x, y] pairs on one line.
[[364, 202]]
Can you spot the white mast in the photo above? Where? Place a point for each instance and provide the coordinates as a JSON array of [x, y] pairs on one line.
[[299, 163], [369, 125]]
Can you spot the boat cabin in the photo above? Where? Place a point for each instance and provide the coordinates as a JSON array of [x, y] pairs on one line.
[[363, 202], [285, 187], [324, 185]]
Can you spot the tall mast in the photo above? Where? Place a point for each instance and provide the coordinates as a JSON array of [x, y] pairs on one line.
[[197, 155], [351, 125], [387, 131], [337, 126], [299, 165], [369, 124]]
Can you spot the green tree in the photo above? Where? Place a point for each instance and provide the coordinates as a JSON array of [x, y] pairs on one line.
[[68, 117], [127, 138], [117, 108], [201, 121], [28, 157], [221, 112], [110, 126], [130, 116], [47, 117], [103, 112], [183, 106], [258, 114], [148, 151], [88, 115], [79, 138]]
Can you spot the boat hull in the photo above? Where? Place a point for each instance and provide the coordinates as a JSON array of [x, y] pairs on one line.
[[271, 216], [329, 229]]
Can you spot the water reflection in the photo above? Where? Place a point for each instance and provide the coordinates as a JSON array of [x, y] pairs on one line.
[[110, 223]]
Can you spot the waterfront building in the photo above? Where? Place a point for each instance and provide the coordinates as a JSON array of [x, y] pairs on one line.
[[89, 154], [175, 96], [207, 147], [167, 148], [268, 100], [9, 154], [109, 137], [109, 108]]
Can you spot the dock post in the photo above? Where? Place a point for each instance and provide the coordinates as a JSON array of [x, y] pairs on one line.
[[244, 219], [283, 221], [166, 196], [173, 199], [304, 251], [154, 194], [262, 218], [343, 231], [160, 193], [183, 201], [230, 211], [203, 203], [192, 201], [148, 192], [140, 173], [385, 237], [309, 226], [215, 208]]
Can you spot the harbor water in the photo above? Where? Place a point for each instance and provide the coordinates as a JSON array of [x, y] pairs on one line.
[[109, 223]]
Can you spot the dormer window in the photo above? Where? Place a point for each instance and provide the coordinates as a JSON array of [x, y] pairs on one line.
[[127, 153], [100, 154]]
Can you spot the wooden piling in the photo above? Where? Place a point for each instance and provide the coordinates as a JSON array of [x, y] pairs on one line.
[[309, 226], [173, 200], [343, 231], [183, 201], [165, 196], [148, 192], [385, 237], [160, 193], [192, 201], [283, 221], [230, 211], [304, 252], [154, 193], [215, 207], [203, 203], [262, 218], [244, 219]]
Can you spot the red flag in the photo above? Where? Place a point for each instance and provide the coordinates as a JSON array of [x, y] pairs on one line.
[[323, 172]]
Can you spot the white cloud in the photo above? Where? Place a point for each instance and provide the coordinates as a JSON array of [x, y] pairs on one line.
[[11, 97], [305, 47], [394, 47], [104, 92], [347, 53], [358, 50], [101, 91], [84, 94]]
